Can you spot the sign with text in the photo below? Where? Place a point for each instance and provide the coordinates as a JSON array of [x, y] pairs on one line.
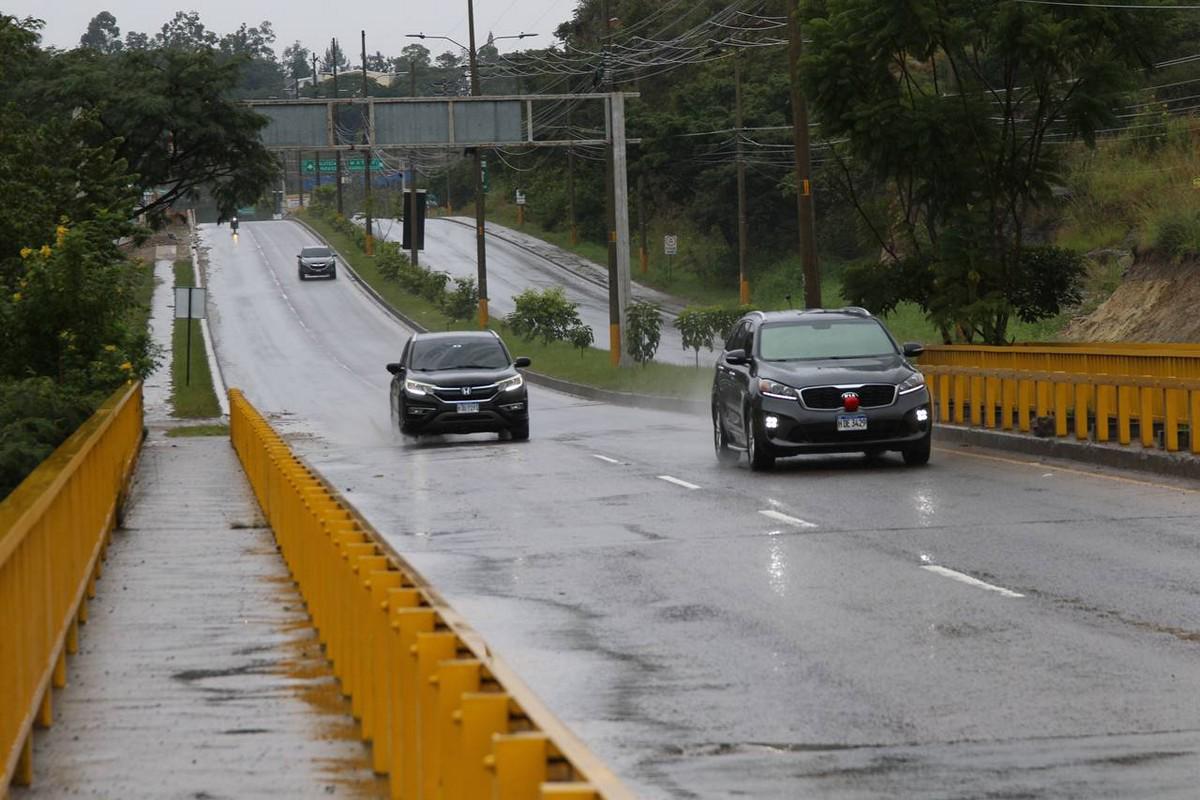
[[670, 244], [190, 302], [329, 165]]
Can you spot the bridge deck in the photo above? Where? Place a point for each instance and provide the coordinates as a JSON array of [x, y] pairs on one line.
[[199, 675]]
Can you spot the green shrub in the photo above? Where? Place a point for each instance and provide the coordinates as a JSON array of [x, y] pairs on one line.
[[545, 315], [643, 330], [461, 302], [581, 338], [36, 416]]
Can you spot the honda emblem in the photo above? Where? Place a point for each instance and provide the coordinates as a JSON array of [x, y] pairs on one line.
[[466, 390]]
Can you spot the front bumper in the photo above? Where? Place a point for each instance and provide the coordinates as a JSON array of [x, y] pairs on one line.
[[798, 430], [312, 270], [429, 414]]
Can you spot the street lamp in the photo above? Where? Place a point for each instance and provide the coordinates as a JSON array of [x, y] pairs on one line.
[[480, 245]]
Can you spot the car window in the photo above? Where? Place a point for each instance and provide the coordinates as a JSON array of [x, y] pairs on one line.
[[315, 252], [824, 338], [737, 336], [458, 353]]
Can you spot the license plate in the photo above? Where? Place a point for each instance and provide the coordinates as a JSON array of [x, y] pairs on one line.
[[852, 422], [473, 408]]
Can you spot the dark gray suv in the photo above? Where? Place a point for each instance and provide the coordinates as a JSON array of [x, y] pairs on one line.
[[316, 262], [819, 381]]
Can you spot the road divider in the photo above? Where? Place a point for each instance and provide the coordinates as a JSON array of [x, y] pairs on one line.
[[444, 716], [55, 528]]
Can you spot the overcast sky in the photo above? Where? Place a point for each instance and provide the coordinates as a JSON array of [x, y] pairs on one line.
[[314, 22]]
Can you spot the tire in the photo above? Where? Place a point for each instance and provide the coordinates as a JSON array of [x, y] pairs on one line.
[[760, 457], [725, 453], [333, 273], [916, 455], [300, 273], [519, 433]]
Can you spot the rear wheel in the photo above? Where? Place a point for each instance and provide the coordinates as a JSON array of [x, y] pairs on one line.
[[917, 454], [725, 453], [760, 457]]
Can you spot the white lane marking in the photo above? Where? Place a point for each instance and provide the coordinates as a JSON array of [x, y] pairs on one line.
[[605, 458], [967, 579], [790, 520], [678, 482]]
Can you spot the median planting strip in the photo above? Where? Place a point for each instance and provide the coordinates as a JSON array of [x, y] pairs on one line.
[[444, 715]]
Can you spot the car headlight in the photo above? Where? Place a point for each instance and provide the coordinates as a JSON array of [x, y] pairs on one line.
[[511, 384], [417, 389], [774, 389], [911, 384]]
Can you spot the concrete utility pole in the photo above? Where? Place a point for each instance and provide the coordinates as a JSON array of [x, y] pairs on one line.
[[480, 245], [370, 242], [413, 214], [743, 226], [804, 199], [412, 77], [616, 298], [571, 180]]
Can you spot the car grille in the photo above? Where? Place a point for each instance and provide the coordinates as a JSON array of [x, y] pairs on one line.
[[455, 393], [870, 395]]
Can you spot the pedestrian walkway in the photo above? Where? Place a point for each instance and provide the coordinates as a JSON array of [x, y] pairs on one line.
[[199, 675]]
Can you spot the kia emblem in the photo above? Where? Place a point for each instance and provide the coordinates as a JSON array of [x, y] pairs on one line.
[[850, 401]]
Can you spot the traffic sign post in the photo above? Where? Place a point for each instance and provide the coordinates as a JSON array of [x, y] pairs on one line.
[[520, 208], [190, 303], [670, 249]]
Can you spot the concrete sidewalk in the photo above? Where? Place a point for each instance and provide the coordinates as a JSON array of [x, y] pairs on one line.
[[199, 675]]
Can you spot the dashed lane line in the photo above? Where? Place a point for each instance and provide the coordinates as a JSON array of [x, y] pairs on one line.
[[967, 579], [605, 458], [789, 519], [678, 482]]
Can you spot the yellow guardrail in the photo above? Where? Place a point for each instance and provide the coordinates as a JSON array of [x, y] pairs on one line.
[[54, 530], [444, 716], [1133, 359], [1103, 407]]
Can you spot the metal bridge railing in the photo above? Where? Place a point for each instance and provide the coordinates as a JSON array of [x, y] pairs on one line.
[[444, 716], [54, 530]]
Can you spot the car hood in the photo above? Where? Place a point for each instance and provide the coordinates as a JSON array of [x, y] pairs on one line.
[[451, 378], [837, 372]]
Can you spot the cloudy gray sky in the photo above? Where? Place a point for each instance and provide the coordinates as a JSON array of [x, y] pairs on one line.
[[313, 22]]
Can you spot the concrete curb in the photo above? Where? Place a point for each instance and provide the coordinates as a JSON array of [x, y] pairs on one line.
[[1132, 457], [678, 405], [210, 347]]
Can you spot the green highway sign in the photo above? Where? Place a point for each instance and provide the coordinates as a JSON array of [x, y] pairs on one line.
[[329, 165]]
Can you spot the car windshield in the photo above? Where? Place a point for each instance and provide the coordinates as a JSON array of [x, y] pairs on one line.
[[824, 338], [458, 353], [315, 252]]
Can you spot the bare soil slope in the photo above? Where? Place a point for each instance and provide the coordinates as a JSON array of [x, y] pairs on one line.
[[1158, 301]]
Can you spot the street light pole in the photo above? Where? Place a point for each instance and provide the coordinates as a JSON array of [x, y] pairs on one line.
[[804, 199], [370, 240], [480, 245], [743, 225]]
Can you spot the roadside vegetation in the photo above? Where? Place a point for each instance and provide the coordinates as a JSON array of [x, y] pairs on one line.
[[85, 178]]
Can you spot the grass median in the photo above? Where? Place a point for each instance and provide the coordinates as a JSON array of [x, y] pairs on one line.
[[192, 395], [556, 359]]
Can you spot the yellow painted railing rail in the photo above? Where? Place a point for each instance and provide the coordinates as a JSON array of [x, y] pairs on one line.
[[54, 529], [1105, 408], [1133, 359], [445, 718]]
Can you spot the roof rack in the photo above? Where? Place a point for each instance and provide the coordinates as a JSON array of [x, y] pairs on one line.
[[854, 310]]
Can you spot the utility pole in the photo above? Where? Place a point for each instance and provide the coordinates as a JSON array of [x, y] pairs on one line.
[[643, 248], [804, 199], [414, 216], [615, 345], [337, 136], [370, 242], [742, 224], [571, 179], [314, 75], [480, 245], [412, 77], [300, 175]]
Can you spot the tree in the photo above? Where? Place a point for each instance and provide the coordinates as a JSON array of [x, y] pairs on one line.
[[170, 110], [416, 54], [695, 327], [547, 315], [296, 60], [254, 42], [102, 34], [954, 109], [334, 55], [461, 302], [185, 31], [137, 41]]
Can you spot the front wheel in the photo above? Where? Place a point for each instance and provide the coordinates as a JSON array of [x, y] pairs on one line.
[[725, 453], [333, 273], [760, 457], [917, 454], [519, 433]]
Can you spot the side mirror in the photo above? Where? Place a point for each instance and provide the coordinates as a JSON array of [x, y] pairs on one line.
[[395, 368], [737, 357], [522, 361], [912, 349]]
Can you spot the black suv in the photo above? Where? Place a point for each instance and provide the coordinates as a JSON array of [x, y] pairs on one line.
[[820, 381], [459, 382]]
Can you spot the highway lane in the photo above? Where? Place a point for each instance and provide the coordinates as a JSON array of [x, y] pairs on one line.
[[450, 247], [707, 649]]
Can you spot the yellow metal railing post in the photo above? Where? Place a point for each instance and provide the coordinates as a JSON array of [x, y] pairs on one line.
[[1146, 416], [1061, 393], [1024, 401], [1103, 412], [1082, 390], [1171, 421]]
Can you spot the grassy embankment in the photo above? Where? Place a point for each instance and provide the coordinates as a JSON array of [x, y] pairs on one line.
[[556, 359], [194, 398]]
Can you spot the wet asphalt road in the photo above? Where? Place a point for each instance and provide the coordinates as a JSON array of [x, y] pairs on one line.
[[829, 648], [451, 248]]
